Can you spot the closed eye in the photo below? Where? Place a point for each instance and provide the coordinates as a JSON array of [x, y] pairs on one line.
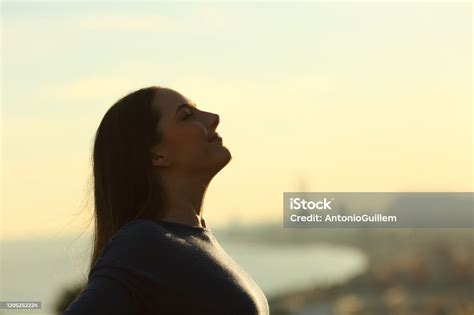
[[187, 116]]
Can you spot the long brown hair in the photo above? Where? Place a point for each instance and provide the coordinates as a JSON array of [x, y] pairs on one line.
[[124, 183]]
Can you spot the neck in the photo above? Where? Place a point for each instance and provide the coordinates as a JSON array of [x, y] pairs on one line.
[[184, 199]]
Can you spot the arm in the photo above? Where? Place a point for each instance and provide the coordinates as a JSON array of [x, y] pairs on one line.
[[104, 295]]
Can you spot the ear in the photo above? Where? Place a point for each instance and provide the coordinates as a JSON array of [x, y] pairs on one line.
[[158, 158]]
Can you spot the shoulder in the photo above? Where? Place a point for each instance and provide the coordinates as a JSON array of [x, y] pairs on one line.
[[139, 230], [141, 250], [137, 240]]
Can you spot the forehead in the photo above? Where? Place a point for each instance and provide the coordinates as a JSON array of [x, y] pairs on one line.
[[166, 101]]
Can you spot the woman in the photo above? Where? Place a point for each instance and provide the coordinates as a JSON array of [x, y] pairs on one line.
[[154, 156]]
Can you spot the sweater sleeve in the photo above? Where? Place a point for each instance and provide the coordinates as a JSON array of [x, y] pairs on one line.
[[104, 295]]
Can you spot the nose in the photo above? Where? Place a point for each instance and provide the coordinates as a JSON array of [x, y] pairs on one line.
[[214, 122]]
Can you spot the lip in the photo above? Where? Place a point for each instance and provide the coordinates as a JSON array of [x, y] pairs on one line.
[[217, 139], [214, 137]]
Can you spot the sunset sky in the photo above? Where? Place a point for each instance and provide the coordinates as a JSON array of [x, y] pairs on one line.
[[353, 96]]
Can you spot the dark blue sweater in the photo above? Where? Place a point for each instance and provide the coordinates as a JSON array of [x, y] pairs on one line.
[[160, 267]]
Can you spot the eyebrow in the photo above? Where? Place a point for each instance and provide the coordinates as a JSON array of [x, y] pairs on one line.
[[182, 106]]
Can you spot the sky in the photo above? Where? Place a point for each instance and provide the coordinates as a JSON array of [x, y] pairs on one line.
[[328, 96]]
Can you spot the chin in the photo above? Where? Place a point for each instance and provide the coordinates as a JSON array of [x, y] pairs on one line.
[[223, 159]]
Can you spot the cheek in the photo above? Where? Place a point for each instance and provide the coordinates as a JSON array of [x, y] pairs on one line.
[[189, 146], [192, 148], [198, 152]]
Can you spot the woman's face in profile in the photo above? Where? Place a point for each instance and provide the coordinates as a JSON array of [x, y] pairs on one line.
[[186, 131]]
